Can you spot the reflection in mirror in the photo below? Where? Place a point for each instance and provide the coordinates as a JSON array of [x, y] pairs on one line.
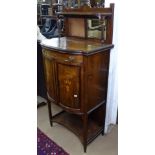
[[96, 28], [71, 3]]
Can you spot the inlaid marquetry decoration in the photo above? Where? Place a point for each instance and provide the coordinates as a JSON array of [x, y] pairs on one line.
[[69, 82]]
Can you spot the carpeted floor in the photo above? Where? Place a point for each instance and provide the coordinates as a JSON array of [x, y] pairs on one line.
[[45, 146]]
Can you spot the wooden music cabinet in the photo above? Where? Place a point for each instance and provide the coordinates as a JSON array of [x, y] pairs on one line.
[[76, 70]]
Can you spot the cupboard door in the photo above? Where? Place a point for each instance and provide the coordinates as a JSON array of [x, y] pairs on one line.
[[69, 85], [50, 72]]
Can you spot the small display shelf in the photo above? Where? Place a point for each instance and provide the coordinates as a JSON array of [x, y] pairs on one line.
[[75, 124]]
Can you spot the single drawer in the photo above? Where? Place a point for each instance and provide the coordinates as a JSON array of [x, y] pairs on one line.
[[63, 57]]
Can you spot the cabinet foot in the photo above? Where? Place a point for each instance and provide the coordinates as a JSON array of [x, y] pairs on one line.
[[85, 148], [102, 133], [41, 104], [51, 123], [50, 113]]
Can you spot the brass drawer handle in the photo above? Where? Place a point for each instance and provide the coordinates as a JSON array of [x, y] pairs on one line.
[[70, 58]]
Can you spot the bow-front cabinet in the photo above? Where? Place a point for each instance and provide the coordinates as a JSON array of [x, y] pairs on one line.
[[76, 73]]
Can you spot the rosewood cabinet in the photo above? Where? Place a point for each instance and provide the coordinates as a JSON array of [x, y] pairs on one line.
[[76, 73]]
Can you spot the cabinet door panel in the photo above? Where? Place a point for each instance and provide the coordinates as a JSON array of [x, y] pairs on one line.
[[69, 85]]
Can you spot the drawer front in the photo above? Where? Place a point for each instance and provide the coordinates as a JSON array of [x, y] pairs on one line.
[[63, 57]]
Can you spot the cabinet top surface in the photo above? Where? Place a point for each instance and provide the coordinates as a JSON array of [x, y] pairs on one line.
[[74, 45]]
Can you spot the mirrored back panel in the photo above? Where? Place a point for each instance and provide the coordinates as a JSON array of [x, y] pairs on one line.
[[96, 28]]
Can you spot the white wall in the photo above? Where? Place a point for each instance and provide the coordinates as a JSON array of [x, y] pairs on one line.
[[112, 96]]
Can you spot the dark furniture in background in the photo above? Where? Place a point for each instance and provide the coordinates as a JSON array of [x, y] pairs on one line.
[[41, 87], [42, 9], [49, 32], [76, 71]]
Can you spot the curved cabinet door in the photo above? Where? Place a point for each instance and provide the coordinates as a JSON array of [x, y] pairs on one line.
[[69, 85], [50, 72]]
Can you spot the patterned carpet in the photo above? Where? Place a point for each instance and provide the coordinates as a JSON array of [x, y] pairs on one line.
[[45, 146]]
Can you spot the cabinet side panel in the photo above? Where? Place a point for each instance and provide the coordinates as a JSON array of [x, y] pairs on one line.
[[98, 66], [98, 69]]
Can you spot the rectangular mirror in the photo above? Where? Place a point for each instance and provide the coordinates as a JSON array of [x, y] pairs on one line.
[[96, 28]]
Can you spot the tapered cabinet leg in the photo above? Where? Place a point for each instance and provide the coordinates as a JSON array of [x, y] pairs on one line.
[[104, 114], [50, 113], [85, 131], [85, 148], [103, 132]]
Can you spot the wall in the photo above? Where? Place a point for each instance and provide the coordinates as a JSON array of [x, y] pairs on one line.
[[112, 96]]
